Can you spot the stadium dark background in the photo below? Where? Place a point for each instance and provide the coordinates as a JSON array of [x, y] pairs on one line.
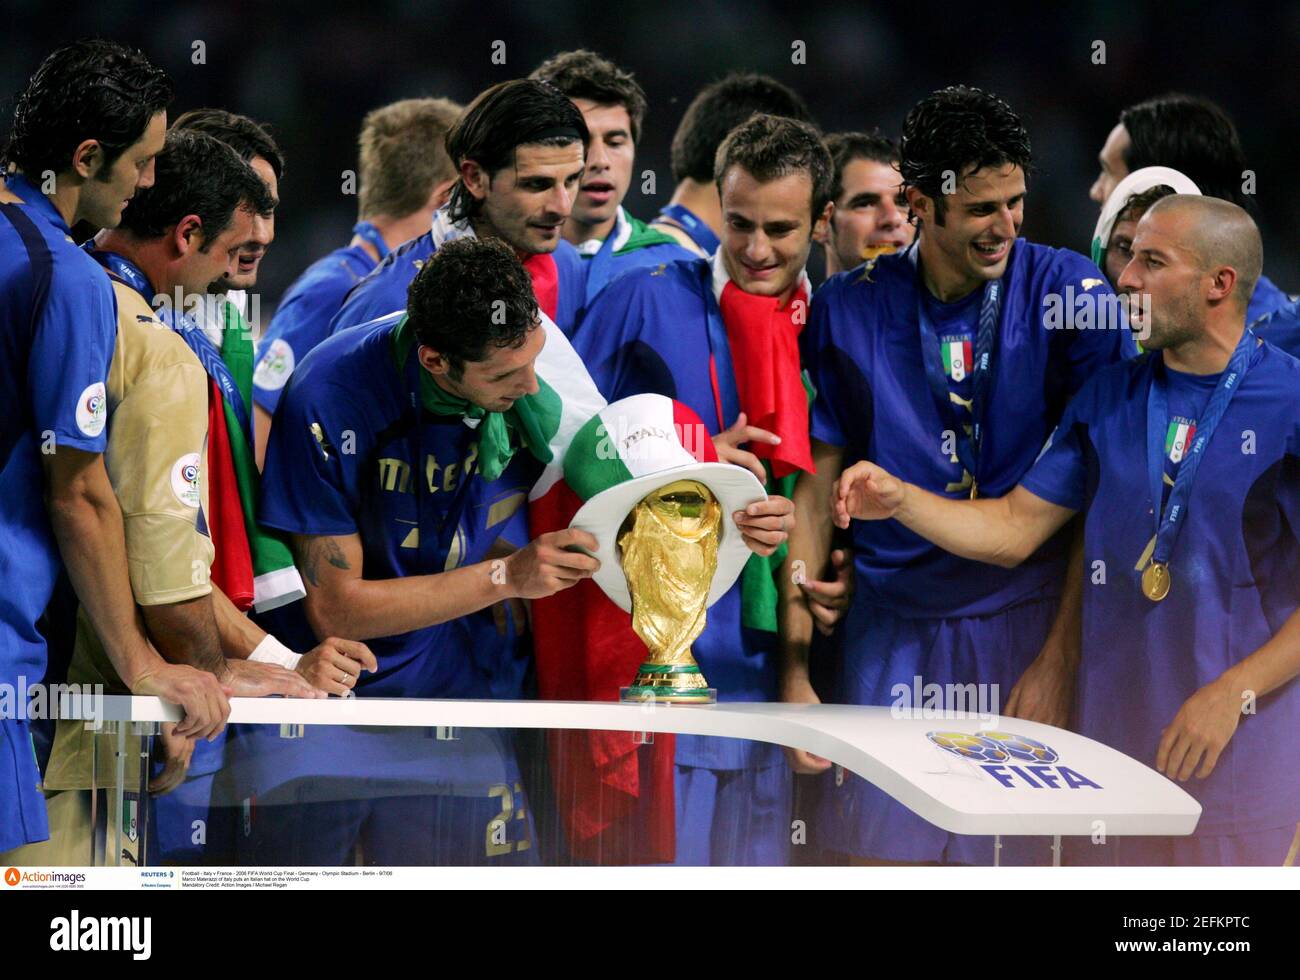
[[312, 70]]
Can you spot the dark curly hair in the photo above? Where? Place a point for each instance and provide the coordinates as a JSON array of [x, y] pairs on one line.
[[844, 148], [721, 107], [1191, 135], [200, 175], [522, 111], [474, 294], [959, 130], [90, 89], [245, 136], [584, 74], [769, 147]]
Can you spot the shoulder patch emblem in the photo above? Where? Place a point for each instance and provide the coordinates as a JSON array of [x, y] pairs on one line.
[[92, 410], [185, 480]]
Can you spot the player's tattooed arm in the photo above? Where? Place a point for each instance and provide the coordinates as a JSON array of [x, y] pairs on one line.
[[313, 552], [342, 603]]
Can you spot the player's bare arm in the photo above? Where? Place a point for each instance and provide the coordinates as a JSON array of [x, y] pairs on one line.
[[1001, 531], [87, 522], [340, 602], [332, 667], [1045, 692], [809, 555], [1206, 722], [261, 434], [810, 545]]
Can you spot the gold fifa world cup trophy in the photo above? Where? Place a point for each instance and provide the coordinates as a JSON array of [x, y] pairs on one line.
[[669, 548]]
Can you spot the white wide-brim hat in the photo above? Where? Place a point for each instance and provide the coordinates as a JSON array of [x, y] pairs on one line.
[[634, 447]]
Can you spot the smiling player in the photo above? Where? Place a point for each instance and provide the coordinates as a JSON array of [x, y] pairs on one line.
[[519, 149], [947, 342], [1186, 462]]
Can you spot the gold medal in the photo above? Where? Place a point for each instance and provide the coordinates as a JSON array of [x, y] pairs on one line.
[[1155, 581]]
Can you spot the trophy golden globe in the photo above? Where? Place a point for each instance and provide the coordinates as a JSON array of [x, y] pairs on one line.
[[659, 504]]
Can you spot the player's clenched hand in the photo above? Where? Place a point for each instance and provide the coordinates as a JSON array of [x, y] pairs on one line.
[[765, 524], [550, 563], [335, 666], [1200, 731], [828, 600], [728, 445], [802, 762], [1045, 690], [201, 696], [866, 492], [177, 752]]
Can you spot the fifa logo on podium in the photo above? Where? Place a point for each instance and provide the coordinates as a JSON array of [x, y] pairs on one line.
[[1012, 760]]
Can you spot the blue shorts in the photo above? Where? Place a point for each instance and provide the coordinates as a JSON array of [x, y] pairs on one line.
[[186, 828], [734, 816], [880, 650], [421, 831], [1265, 848], [402, 795], [22, 805]]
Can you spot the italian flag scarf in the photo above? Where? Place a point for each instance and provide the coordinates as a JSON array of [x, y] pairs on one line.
[[253, 565], [542, 423], [771, 389]]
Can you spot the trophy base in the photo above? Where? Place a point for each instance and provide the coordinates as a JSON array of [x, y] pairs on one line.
[[669, 684]]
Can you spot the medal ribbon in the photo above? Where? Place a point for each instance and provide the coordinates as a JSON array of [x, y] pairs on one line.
[[189, 331], [1169, 523], [700, 233], [369, 233], [968, 445]]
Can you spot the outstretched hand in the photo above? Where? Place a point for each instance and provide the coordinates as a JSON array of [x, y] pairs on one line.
[[865, 492]]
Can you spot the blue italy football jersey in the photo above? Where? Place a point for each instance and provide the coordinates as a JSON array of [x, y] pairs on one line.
[[1233, 570], [349, 455], [1266, 298], [302, 320], [1281, 328], [863, 353], [60, 326], [383, 291], [631, 245]]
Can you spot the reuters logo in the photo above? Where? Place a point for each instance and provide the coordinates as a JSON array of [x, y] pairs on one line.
[[12, 877]]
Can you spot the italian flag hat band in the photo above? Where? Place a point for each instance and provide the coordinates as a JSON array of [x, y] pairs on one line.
[[616, 446]]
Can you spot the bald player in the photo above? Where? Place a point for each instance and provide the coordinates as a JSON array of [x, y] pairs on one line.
[[1186, 463]]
